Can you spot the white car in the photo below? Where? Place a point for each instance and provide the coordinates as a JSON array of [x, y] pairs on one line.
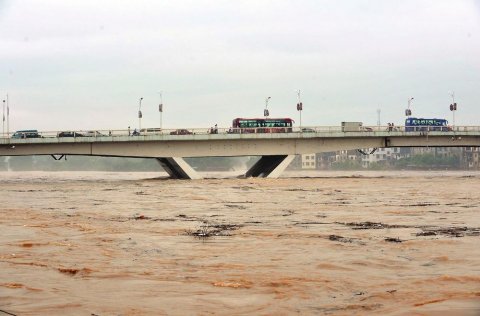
[[93, 134]]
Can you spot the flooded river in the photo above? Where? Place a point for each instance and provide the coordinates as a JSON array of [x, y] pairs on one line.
[[316, 243]]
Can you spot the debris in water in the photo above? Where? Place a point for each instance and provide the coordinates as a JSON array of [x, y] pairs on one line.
[[345, 239], [450, 231], [340, 238], [241, 207], [208, 230], [391, 239], [138, 217], [426, 233], [371, 225], [72, 271]]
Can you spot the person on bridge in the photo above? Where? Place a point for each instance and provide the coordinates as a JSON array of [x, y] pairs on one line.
[[214, 130]]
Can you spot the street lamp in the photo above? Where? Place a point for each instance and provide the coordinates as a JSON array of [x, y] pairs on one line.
[[299, 107], [8, 117], [408, 112], [453, 108], [3, 122], [140, 115], [265, 112], [160, 109]]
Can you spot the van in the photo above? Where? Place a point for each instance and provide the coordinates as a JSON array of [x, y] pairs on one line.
[[28, 133], [150, 131]]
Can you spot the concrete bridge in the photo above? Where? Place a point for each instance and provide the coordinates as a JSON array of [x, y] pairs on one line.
[[277, 149]]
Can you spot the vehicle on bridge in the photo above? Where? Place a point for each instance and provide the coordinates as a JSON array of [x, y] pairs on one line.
[[69, 134], [355, 127], [262, 125], [93, 134], [181, 132], [28, 133], [150, 131], [308, 130], [413, 124]]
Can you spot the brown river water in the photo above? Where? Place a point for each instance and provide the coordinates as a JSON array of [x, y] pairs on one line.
[[316, 243]]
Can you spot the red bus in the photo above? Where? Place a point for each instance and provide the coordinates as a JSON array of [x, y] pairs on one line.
[[262, 125]]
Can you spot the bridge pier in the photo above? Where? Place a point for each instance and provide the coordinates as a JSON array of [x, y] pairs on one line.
[[270, 166], [178, 168]]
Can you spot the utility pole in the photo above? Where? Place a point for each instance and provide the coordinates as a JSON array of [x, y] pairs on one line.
[[140, 115], [8, 117], [378, 117], [453, 108], [265, 112], [160, 109], [3, 120], [408, 112], [299, 107]]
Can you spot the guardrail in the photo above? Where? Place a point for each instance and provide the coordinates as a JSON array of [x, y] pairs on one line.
[[207, 131]]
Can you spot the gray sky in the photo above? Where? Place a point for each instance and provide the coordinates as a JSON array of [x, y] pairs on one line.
[[85, 64]]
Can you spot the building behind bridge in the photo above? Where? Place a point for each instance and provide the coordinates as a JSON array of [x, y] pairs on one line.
[[467, 158]]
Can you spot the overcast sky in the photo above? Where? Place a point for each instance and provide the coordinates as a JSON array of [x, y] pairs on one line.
[[85, 64]]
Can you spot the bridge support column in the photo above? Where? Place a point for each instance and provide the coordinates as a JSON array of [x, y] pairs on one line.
[[178, 168], [270, 166]]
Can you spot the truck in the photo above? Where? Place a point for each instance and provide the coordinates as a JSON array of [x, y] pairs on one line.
[[352, 126]]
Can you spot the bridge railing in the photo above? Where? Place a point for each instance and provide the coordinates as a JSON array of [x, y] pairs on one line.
[[211, 131]]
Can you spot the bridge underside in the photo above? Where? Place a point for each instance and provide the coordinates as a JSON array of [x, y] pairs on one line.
[[265, 167]]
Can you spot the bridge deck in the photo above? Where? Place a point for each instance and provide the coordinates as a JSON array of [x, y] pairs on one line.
[[227, 134]]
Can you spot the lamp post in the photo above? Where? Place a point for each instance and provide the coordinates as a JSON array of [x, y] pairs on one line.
[[265, 112], [453, 108], [8, 117], [140, 115], [408, 112], [160, 109], [299, 107], [3, 121]]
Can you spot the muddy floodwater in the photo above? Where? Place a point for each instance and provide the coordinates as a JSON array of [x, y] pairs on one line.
[[316, 243]]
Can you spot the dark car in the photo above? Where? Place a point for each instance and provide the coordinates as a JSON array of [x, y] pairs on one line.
[[69, 134], [28, 133], [181, 132]]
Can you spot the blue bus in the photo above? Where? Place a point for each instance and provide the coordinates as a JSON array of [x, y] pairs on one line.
[[413, 124]]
